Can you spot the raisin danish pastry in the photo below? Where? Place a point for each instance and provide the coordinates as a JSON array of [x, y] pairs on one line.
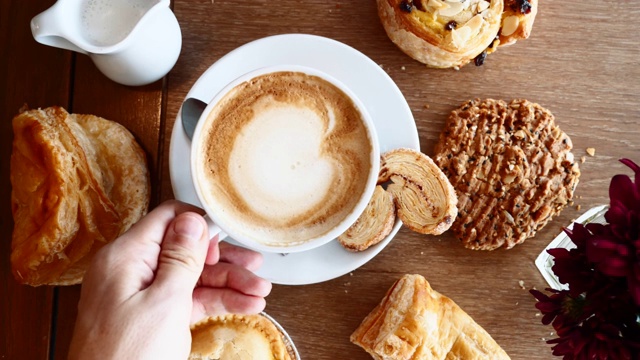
[[451, 33]]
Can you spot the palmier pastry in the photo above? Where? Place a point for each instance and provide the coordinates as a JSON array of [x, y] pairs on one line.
[[78, 181], [239, 337], [425, 199], [415, 322], [375, 223], [512, 168], [451, 33]]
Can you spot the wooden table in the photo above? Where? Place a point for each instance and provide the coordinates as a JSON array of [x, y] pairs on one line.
[[581, 62]]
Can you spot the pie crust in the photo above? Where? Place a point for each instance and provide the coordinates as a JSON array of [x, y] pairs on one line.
[[236, 337]]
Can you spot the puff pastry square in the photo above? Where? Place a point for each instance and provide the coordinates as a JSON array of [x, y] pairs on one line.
[[415, 322]]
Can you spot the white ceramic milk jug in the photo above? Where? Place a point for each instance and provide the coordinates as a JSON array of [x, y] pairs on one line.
[[132, 42]]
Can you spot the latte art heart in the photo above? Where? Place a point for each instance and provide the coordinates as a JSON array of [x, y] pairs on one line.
[[286, 155]]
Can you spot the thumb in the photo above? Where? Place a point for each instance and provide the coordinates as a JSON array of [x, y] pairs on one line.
[[182, 254]]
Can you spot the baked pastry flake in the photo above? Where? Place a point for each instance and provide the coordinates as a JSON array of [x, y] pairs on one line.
[[415, 322], [425, 199], [375, 223], [78, 181]]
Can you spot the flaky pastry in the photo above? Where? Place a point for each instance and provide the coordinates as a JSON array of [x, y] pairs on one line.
[[517, 20], [451, 33], [425, 199], [78, 181], [238, 337], [373, 225], [415, 322]]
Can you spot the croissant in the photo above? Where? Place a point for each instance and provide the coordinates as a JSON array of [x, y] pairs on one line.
[[451, 33], [78, 181], [415, 322], [425, 199]]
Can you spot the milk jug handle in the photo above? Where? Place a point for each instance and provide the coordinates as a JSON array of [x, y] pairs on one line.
[[48, 28]]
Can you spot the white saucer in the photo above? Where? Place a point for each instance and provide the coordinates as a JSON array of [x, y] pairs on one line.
[[390, 112]]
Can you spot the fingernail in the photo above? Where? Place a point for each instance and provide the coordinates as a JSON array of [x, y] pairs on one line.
[[189, 227]]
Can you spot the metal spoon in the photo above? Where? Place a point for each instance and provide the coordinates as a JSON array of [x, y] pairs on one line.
[[192, 108]]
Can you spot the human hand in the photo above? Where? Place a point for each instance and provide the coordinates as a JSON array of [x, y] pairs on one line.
[[143, 290]]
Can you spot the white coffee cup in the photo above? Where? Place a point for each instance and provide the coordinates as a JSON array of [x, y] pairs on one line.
[[296, 132]]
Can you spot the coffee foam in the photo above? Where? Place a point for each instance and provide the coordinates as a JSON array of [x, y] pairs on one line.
[[285, 155]]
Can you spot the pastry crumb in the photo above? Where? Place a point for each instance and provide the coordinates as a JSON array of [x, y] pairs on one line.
[[521, 283], [426, 106], [583, 159], [591, 151], [578, 207], [403, 68], [537, 314]]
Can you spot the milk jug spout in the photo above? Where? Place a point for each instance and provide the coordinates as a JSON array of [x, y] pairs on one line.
[[48, 29], [133, 42]]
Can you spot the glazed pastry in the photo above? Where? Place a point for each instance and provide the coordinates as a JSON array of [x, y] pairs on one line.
[[425, 200], [78, 181], [517, 20], [415, 322], [512, 168], [451, 33], [238, 337], [375, 223]]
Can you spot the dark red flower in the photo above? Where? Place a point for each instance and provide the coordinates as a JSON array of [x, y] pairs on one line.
[[615, 247], [598, 317], [572, 266], [595, 339]]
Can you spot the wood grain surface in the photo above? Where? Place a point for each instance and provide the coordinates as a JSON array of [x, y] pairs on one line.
[[581, 63]]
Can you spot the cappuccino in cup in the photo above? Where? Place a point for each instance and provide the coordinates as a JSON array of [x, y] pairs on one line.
[[285, 158]]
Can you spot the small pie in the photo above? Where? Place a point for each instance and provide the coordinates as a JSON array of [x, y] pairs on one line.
[[238, 337]]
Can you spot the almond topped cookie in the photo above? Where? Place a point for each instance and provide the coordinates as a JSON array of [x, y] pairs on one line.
[[512, 169]]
